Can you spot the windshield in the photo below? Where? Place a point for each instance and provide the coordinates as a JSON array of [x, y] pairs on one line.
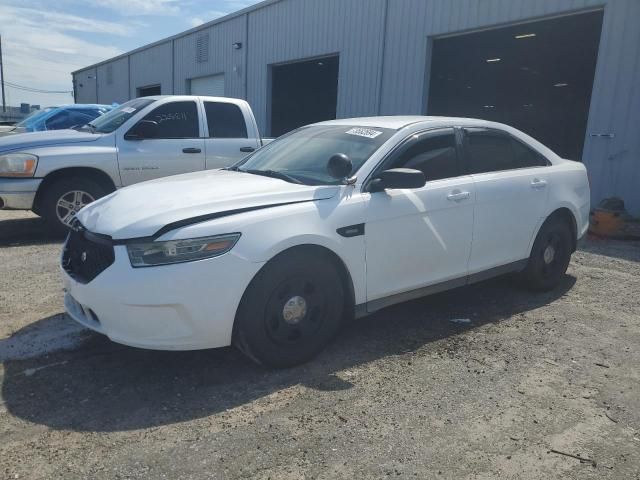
[[303, 154], [36, 117], [108, 122]]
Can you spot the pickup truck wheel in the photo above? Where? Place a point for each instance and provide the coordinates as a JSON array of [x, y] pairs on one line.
[[290, 311], [550, 256], [64, 198]]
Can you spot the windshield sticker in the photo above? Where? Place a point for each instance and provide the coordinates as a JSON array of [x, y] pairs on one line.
[[128, 110], [364, 132]]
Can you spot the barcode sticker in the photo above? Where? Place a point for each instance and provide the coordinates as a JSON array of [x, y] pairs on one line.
[[364, 132]]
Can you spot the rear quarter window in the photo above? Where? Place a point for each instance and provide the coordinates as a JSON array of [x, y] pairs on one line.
[[526, 157], [496, 151]]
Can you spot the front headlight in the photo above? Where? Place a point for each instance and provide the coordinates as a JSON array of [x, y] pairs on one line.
[[18, 165], [178, 251]]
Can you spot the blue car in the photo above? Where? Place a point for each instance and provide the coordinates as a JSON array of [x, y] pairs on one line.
[[57, 118]]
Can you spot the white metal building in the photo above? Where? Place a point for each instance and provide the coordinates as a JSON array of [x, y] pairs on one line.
[[565, 71]]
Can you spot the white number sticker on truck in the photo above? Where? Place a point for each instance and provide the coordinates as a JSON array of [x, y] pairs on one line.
[[364, 132]]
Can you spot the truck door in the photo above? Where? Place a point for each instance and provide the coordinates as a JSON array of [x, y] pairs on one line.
[[175, 145], [227, 139]]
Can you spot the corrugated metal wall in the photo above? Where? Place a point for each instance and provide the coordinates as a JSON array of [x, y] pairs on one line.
[[411, 24], [384, 48], [297, 29], [113, 87], [86, 84], [614, 163], [153, 66], [223, 58]]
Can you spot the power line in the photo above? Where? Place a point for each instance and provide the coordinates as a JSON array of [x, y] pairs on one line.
[[34, 90]]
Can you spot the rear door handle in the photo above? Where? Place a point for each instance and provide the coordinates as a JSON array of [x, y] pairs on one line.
[[537, 183], [191, 150], [457, 196], [247, 149]]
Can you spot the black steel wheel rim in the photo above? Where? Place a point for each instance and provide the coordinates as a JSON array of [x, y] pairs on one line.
[[553, 242], [303, 327]]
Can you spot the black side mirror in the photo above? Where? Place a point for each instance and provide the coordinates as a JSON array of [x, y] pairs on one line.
[[339, 166], [398, 178], [142, 130]]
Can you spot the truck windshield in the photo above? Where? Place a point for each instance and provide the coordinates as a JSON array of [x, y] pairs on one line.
[[108, 122], [302, 155]]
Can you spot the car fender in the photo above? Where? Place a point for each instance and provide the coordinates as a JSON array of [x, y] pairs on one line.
[[320, 226], [557, 206], [569, 188], [98, 157], [271, 231]]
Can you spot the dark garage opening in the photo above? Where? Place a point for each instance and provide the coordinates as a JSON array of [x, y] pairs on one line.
[[302, 93], [149, 91], [537, 77]]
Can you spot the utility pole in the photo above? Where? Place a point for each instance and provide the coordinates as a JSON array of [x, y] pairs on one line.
[[4, 104]]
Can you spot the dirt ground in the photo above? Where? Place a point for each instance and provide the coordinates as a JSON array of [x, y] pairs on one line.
[[406, 393]]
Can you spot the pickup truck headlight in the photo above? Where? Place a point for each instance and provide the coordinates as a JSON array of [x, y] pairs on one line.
[[149, 254], [18, 165]]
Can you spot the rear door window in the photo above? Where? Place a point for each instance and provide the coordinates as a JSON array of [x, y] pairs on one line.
[[489, 151], [225, 120]]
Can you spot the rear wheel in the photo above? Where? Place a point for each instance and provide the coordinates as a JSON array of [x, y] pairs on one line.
[[291, 310], [550, 255], [65, 198]]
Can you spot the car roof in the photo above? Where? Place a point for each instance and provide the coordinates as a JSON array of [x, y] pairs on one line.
[[401, 121]]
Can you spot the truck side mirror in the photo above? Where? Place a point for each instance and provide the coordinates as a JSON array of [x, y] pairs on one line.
[[142, 130]]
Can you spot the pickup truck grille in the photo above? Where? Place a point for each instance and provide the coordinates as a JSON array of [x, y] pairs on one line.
[[84, 259]]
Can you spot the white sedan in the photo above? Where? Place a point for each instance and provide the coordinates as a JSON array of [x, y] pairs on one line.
[[335, 219]]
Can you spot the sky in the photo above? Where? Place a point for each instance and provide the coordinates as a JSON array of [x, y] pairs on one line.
[[43, 41]]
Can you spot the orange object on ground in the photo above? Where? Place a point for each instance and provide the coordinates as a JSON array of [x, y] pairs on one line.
[[610, 219], [607, 223]]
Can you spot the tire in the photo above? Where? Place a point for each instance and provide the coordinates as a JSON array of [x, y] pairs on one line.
[[77, 192], [291, 310], [550, 256]]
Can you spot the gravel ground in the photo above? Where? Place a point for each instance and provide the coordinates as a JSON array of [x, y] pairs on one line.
[[405, 393]]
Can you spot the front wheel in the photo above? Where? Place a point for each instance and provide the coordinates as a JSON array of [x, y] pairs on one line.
[[65, 198], [550, 256], [291, 310]]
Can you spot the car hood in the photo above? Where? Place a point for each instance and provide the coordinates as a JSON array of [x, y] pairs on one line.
[[13, 130], [142, 210], [43, 139]]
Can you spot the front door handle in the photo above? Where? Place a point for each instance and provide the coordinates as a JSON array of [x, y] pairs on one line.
[[191, 150], [247, 149], [537, 183], [457, 196]]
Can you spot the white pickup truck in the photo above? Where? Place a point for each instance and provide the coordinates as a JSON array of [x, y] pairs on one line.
[[56, 173]]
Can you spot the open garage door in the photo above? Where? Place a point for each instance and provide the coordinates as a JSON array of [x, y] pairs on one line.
[[302, 93], [212, 86], [149, 91], [537, 77]]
